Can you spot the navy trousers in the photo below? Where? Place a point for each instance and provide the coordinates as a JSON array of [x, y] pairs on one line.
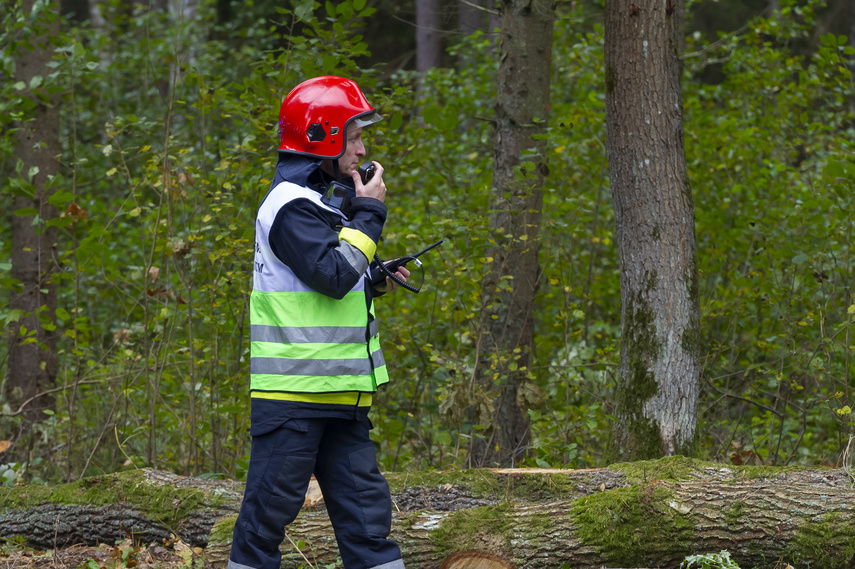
[[343, 459]]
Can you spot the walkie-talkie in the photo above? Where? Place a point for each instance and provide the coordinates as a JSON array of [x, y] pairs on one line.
[[382, 269], [338, 195], [366, 171]]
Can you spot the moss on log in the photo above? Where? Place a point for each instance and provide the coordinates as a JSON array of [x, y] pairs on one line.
[[149, 505]]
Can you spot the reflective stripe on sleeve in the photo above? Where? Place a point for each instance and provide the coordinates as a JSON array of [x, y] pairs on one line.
[[378, 359], [354, 256]]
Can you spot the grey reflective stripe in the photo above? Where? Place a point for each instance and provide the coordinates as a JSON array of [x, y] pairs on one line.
[[308, 335], [354, 256], [396, 564], [233, 565], [373, 328], [282, 366], [378, 359]]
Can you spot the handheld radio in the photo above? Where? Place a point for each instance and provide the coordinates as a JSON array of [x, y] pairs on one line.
[[338, 195], [382, 269]]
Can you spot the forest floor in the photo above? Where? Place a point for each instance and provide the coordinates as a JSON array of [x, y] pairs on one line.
[[173, 555]]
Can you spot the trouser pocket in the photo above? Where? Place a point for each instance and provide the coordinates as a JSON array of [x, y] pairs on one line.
[[372, 491], [286, 499]]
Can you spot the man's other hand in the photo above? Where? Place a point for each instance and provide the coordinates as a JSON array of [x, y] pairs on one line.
[[391, 286]]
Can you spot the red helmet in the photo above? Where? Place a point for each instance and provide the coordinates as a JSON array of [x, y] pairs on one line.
[[315, 115]]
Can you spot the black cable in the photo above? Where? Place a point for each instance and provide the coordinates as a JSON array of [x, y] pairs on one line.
[[400, 262]]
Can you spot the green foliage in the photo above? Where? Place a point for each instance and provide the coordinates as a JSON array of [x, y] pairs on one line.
[[168, 145], [768, 156]]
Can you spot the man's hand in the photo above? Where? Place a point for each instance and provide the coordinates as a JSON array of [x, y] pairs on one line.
[[375, 188], [390, 285]]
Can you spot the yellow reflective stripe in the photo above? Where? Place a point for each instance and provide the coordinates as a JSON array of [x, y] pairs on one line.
[[309, 309], [349, 398], [310, 351], [312, 384], [359, 240]]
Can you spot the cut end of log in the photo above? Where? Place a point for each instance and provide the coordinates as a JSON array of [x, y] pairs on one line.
[[474, 559], [313, 494]]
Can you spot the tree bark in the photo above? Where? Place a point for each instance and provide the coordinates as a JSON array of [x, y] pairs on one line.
[[660, 344], [428, 42], [649, 514], [470, 17], [146, 504], [519, 171], [32, 354], [78, 11]]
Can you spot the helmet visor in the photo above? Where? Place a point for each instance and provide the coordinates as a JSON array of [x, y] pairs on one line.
[[367, 119]]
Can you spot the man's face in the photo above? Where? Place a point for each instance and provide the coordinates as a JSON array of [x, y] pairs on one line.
[[353, 154]]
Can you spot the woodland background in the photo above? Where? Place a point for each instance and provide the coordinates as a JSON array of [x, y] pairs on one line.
[[167, 134]]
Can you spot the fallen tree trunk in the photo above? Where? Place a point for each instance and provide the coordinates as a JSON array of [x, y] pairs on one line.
[[148, 505], [646, 514]]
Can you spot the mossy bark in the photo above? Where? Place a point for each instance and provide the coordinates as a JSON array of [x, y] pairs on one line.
[[147, 504], [654, 216], [643, 514]]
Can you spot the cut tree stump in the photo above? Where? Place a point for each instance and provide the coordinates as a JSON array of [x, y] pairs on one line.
[[644, 514]]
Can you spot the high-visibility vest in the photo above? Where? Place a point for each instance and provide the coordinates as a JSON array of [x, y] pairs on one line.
[[303, 341]]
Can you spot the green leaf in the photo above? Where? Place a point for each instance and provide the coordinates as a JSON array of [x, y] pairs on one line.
[[358, 5], [20, 85], [304, 10], [60, 198], [35, 82], [13, 315], [26, 212], [800, 258]]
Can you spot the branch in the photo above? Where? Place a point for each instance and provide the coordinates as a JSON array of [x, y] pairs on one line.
[[48, 392]]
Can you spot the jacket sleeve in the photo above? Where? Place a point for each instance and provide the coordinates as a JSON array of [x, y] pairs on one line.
[[328, 257]]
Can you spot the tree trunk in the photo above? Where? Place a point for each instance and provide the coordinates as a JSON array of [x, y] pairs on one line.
[[428, 42], [660, 344], [649, 514], [78, 11], [494, 19], [147, 504], [508, 290], [470, 17], [32, 354]]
